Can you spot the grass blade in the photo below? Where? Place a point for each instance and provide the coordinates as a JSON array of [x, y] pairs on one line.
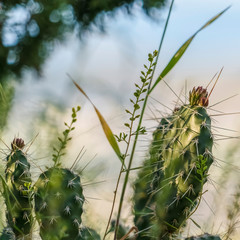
[[108, 132], [176, 57]]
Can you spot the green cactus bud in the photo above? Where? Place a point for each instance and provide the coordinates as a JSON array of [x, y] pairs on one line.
[[17, 193], [204, 237], [58, 204]]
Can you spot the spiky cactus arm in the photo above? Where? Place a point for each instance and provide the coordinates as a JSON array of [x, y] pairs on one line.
[[147, 180], [18, 194], [186, 157], [58, 204], [204, 237]]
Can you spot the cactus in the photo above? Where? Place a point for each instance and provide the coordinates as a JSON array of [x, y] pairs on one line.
[[204, 237], [148, 178], [59, 196], [58, 204], [186, 157], [17, 191]]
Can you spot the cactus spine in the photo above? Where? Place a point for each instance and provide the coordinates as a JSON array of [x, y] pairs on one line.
[[17, 191], [147, 181], [186, 156]]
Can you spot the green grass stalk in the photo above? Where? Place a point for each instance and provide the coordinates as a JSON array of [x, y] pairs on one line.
[[139, 126]]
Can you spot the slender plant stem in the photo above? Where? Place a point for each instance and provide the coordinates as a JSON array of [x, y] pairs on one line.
[[139, 126], [118, 180], [125, 154]]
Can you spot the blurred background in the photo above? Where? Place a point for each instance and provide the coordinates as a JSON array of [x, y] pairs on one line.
[[103, 46]]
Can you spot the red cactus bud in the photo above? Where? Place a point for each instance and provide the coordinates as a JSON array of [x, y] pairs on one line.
[[17, 143], [198, 96]]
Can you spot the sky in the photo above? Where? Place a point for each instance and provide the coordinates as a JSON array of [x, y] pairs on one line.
[[107, 65]]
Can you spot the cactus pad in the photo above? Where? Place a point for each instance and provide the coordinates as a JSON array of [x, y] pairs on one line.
[[58, 204]]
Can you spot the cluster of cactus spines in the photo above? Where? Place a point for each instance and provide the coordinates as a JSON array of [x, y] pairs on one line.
[[18, 191], [172, 177], [59, 204], [147, 180], [186, 155], [204, 237]]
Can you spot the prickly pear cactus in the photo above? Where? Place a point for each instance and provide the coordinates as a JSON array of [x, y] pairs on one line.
[[204, 237], [186, 155], [148, 178], [58, 204], [17, 191]]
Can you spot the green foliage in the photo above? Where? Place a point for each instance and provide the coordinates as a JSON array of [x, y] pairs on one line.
[[58, 152], [138, 98], [6, 97], [59, 196], [45, 22], [169, 186], [58, 204], [18, 191], [107, 130], [179, 53]]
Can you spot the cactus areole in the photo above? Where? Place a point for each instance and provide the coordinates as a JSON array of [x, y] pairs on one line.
[[58, 204]]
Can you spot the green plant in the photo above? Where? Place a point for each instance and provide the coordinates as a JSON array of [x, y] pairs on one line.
[[185, 156], [168, 188], [18, 191], [59, 196]]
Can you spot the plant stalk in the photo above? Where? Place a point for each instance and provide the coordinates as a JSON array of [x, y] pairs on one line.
[[139, 126]]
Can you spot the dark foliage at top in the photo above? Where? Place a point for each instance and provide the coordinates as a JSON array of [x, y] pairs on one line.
[[30, 28]]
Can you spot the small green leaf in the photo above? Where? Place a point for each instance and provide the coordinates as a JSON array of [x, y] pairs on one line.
[[128, 112], [136, 106], [196, 223]]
